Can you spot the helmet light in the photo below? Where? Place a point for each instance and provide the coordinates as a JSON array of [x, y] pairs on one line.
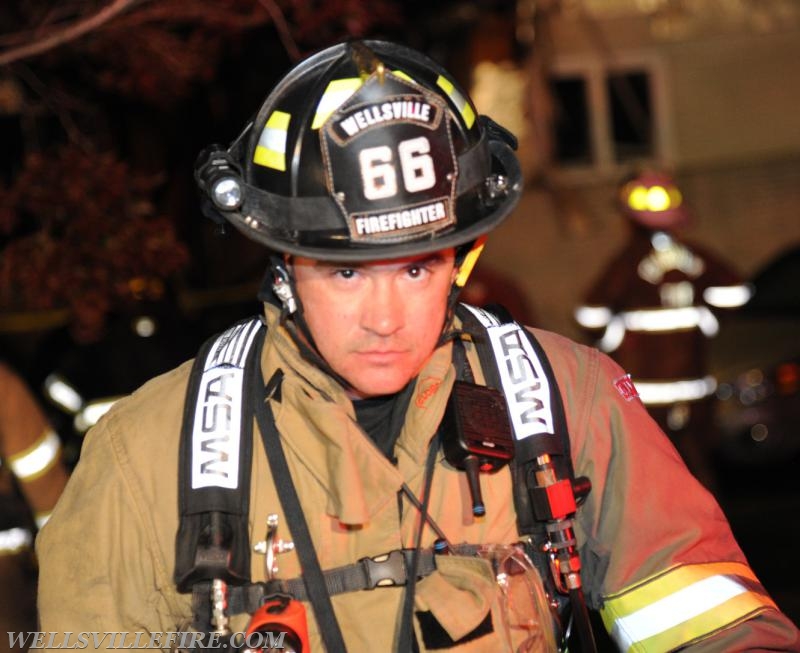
[[219, 175], [227, 193], [653, 198]]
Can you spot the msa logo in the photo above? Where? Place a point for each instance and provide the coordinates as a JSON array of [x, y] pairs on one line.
[[217, 420], [524, 382]]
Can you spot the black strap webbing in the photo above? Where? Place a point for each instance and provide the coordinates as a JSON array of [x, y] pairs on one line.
[[287, 494], [406, 642], [213, 535], [556, 444]]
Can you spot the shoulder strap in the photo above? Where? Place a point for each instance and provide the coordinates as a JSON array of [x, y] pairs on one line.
[[214, 488], [513, 361], [543, 477]]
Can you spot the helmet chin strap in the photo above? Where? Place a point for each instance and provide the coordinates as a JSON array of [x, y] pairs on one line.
[[279, 286]]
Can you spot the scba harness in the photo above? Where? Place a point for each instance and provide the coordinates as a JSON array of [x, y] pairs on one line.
[[517, 418]]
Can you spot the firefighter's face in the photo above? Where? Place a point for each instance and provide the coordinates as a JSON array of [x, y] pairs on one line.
[[376, 323]]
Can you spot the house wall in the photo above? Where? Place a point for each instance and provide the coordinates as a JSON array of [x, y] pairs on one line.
[[731, 105]]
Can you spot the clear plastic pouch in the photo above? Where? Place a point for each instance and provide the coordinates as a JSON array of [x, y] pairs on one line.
[[527, 619]]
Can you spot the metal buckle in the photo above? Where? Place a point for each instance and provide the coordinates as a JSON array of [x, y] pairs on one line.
[[385, 570]]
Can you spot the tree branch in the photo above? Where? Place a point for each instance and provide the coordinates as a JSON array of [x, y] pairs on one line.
[[67, 34], [284, 33]]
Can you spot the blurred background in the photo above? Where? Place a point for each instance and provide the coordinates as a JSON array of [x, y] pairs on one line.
[[109, 274]]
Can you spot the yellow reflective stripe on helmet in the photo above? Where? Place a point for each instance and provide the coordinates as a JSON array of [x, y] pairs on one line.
[[463, 106], [271, 149], [404, 75], [37, 459], [338, 92], [335, 95], [684, 604]]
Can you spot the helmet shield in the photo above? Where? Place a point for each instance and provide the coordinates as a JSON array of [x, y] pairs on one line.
[[389, 161], [364, 151]]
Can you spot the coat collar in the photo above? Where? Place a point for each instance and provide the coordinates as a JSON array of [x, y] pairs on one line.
[[317, 422]]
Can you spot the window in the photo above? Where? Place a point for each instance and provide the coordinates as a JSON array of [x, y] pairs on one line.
[[630, 115], [572, 134], [608, 117]]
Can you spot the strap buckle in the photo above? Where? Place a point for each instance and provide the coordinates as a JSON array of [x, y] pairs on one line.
[[385, 570]]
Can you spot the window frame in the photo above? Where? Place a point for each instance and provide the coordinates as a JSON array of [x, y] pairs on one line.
[[596, 73]]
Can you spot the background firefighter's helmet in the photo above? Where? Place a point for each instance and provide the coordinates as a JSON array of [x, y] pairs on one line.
[[365, 150], [652, 199]]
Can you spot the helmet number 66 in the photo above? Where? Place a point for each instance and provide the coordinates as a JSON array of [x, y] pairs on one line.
[[379, 174]]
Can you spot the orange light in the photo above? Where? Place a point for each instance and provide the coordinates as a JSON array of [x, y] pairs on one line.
[[787, 377]]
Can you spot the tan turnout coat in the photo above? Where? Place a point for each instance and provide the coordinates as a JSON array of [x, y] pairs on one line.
[[107, 555]]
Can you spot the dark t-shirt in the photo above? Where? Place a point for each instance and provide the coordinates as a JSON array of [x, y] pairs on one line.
[[382, 418]]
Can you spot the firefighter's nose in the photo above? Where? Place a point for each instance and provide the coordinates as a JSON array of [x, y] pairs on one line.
[[384, 309]]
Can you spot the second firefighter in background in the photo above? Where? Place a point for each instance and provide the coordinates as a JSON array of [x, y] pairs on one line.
[[653, 310]]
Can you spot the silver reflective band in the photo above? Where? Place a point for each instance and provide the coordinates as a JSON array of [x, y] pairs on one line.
[[661, 241], [613, 335], [62, 393], [41, 518], [728, 296], [661, 320], [33, 462], [672, 610], [670, 392], [14, 540], [592, 317], [657, 320], [92, 413]]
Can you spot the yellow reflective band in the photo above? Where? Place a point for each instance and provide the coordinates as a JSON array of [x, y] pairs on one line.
[[335, 95], [464, 107], [683, 604], [469, 262], [271, 149], [403, 75], [37, 459], [338, 92]]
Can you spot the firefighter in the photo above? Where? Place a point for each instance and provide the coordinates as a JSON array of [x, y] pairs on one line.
[[655, 309], [320, 439], [32, 477]]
